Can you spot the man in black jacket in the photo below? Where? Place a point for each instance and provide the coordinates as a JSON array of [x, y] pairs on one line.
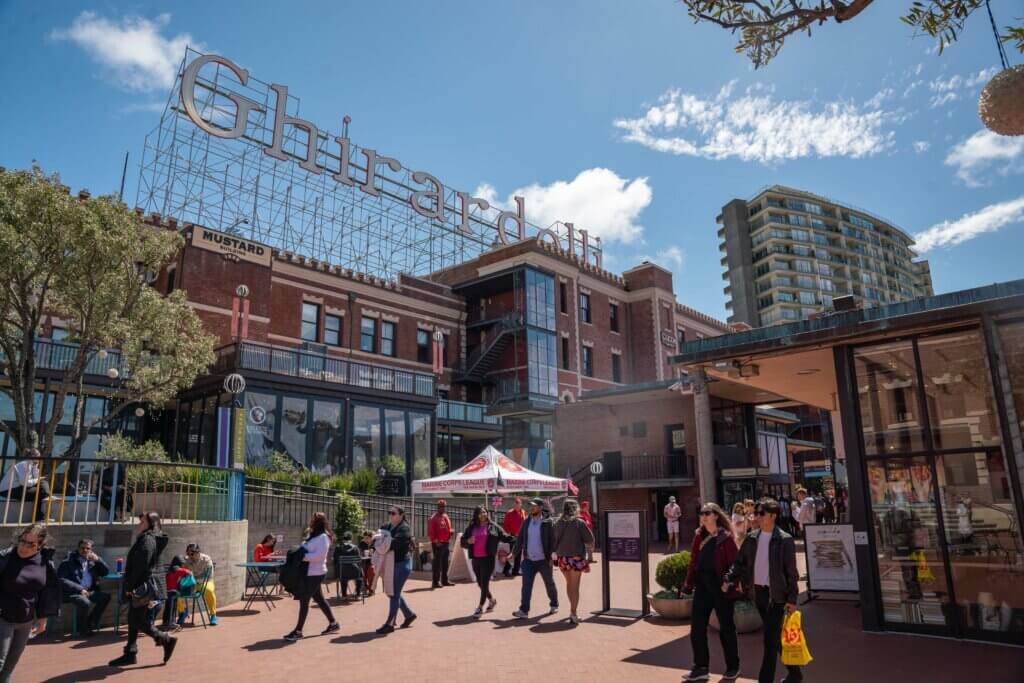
[[535, 545], [79, 577], [766, 568]]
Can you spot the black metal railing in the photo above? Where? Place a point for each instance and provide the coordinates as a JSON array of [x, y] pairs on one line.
[[56, 355], [286, 504], [646, 467], [293, 362], [461, 411]]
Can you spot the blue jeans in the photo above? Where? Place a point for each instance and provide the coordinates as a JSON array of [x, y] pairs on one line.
[[402, 571], [530, 570]]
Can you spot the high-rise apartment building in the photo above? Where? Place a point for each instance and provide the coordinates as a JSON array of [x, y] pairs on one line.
[[789, 253]]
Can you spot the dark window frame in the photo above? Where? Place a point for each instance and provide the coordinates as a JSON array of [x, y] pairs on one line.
[[389, 343], [327, 330], [304, 321], [613, 317], [587, 361], [372, 335]]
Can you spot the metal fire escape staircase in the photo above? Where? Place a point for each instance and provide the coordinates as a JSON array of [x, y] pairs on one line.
[[483, 358]]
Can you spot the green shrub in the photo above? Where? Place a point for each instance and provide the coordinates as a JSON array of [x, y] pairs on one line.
[[257, 472], [138, 477], [348, 516], [282, 483], [308, 478], [364, 481], [671, 572], [339, 482], [282, 462], [393, 465], [440, 466]]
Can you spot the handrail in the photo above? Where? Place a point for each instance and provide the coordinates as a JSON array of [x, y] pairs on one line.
[[57, 355], [509, 322], [463, 411], [297, 362]]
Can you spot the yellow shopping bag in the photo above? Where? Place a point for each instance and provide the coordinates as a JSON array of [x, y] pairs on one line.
[[794, 645]]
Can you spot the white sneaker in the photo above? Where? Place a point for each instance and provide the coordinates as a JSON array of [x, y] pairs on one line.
[[553, 610], [491, 604], [574, 619], [478, 612], [520, 614]]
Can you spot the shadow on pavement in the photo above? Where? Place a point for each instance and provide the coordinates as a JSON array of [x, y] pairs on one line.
[[270, 644], [458, 621], [364, 637], [554, 626], [236, 612], [97, 673]]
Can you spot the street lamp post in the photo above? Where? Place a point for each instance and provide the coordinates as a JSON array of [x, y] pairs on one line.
[[549, 445]]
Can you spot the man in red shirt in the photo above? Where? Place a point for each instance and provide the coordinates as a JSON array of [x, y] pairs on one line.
[[512, 523], [439, 530]]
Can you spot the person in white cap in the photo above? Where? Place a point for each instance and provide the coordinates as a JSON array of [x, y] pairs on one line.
[[672, 515]]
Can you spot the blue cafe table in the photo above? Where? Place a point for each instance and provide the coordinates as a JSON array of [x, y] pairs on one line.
[[257, 575]]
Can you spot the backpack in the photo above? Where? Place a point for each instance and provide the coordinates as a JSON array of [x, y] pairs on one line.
[[186, 584]]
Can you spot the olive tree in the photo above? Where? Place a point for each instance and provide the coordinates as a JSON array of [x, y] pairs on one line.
[[764, 25], [87, 262]]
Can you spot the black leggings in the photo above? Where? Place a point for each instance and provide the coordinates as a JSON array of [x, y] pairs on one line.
[[313, 590], [483, 567], [139, 621]]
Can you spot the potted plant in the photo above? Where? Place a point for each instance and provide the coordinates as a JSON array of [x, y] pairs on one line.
[[670, 575]]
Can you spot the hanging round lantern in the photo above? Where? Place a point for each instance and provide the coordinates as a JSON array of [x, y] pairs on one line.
[[112, 373], [139, 412], [101, 354], [1001, 105], [234, 384]]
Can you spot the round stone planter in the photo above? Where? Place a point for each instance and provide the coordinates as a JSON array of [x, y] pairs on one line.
[[671, 608], [744, 614]]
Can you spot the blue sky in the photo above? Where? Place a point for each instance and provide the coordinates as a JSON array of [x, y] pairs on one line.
[[625, 118]]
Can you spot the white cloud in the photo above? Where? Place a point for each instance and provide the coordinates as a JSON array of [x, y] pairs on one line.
[[132, 51], [596, 200], [670, 257], [970, 225], [953, 88], [983, 151], [921, 146], [755, 126]]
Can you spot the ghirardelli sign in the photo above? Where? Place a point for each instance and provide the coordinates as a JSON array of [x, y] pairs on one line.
[[364, 168]]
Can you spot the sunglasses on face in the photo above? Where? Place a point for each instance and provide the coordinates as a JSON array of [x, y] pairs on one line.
[[706, 513], [760, 513], [393, 513]]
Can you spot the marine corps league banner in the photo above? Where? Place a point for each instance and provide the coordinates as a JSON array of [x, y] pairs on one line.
[[831, 558]]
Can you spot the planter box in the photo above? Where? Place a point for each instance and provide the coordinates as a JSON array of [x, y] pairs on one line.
[[744, 614], [672, 608]]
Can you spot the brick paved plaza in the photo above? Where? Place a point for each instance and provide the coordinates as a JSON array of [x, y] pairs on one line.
[[447, 644]]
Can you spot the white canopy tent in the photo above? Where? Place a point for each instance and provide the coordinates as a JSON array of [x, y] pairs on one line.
[[491, 472]]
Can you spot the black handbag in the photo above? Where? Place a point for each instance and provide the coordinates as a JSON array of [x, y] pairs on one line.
[[144, 594]]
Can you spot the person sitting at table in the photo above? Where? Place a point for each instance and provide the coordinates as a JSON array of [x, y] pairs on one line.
[[351, 570], [264, 550], [201, 566], [79, 577], [23, 481], [180, 582], [366, 549]]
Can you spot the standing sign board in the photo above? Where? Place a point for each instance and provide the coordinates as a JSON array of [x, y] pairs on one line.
[[831, 558], [624, 539]]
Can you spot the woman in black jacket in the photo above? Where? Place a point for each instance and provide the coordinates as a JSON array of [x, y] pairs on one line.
[[28, 591], [401, 546], [481, 538], [143, 589]]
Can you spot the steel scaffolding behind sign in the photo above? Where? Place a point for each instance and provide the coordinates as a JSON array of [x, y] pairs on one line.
[[233, 154]]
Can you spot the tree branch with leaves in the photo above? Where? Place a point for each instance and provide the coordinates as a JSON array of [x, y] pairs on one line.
[[87, 263], [764, 25]]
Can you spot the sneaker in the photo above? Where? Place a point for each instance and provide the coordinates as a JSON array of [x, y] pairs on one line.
[[575, 620], [434, 585], [731, 674], [698, 674], [385, 629], [331, 628], [491, 604], [213, 620], [447, 583], [127, 659], [408, 622], [293, 636], [478, 612], [520, 614], [169, 646], [553, 610]]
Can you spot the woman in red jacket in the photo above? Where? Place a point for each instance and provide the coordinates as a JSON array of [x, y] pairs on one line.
[[713, 552]]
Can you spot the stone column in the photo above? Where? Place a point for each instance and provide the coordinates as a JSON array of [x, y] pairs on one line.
[[706, 480]]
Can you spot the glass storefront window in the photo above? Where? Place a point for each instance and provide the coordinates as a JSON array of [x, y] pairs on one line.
[[260, 421], [395, 438], [294, 413], [419, 434], [542, 370], [905, 525], [1011, 339], [984, 541], [887, 392], [540, 300], [958, 391], [328, 453], [366, 437]]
